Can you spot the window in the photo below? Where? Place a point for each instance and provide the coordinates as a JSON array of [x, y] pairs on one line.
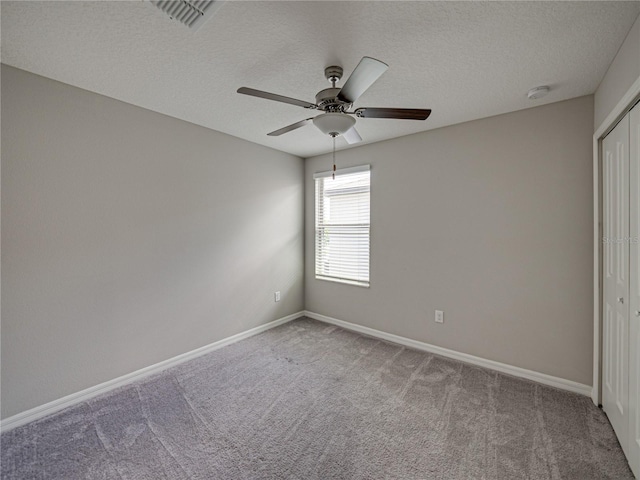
[[342, 225]]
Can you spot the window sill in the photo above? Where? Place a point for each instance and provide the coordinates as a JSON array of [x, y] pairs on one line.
[[355, 283]]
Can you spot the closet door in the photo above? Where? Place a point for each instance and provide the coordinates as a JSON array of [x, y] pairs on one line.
[[615, 394], [634, 305]]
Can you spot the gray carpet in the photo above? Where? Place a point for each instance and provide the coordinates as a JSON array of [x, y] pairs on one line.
[[311, 401]]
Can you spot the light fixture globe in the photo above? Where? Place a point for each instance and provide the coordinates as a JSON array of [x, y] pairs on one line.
[[334, 123]]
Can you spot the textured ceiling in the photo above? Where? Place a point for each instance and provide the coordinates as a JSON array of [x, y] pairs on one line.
[[464, 60]]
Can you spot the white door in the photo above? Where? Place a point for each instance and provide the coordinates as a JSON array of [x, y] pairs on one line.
[[615, 392], [634, 298]]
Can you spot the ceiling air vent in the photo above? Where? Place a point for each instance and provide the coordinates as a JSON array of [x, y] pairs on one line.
[[191, 13]]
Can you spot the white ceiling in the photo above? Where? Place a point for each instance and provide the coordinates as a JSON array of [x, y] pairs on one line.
[[464, 60]]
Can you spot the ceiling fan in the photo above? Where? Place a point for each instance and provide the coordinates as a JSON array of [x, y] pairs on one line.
[[336, 102]]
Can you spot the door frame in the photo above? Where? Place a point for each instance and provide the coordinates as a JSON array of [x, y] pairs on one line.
[[619, 111]]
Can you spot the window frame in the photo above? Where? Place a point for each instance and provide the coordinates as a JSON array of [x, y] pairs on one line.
[[317, 275]]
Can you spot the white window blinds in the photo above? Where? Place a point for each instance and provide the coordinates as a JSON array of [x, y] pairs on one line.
[[342, 225]]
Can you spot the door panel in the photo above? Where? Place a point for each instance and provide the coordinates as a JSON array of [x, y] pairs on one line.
[[616, 282], [634, 298]]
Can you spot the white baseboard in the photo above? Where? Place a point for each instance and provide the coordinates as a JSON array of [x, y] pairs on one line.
[[83, 395], [543, 378], [75, 398]]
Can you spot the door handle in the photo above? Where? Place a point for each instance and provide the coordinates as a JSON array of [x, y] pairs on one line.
[[620, 300], [637, 313]]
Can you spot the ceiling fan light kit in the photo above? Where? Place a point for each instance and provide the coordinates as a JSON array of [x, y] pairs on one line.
[[334, 124]]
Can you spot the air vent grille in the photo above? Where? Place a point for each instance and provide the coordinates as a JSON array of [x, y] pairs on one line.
[[191, 13]]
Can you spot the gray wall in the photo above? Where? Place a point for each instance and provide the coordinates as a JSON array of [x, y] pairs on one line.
[[490, 221], [623, 71], [129, 237]]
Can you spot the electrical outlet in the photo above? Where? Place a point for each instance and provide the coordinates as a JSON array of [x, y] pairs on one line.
[[276, 296], [439, 316]]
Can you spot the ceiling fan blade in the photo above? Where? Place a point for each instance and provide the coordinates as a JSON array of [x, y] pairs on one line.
[[277, 98], [368, 71], [398, 113], [289, 128], [352, 136]]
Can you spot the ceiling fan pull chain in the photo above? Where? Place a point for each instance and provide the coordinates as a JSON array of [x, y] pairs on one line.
[[334, 157]]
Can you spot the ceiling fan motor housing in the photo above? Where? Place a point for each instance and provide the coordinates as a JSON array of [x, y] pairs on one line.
[[328, 101]]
